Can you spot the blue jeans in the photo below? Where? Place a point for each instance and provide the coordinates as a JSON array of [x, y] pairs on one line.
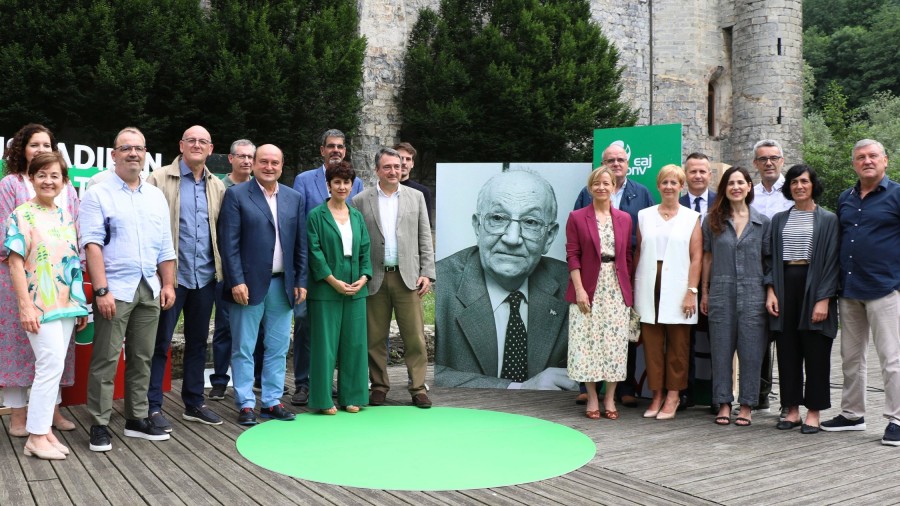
[[301, 346], [221, 343], [197, 305], [274, 312]]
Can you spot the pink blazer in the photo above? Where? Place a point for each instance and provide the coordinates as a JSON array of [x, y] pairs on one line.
[[583, 251]]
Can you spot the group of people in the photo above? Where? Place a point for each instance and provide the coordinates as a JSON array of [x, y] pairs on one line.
[[181, 241], [750, 264]]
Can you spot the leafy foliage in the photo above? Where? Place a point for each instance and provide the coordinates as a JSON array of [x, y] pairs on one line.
[[279, 72], [509, 80]]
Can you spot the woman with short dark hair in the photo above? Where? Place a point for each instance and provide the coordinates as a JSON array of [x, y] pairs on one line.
[[802, 298]]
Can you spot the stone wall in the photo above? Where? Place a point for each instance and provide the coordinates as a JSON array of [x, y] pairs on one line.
[[672, 52]]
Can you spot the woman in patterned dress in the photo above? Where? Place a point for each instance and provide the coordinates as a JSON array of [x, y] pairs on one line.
[[598, 252], [42, 248], [668, 258], [16, 355]]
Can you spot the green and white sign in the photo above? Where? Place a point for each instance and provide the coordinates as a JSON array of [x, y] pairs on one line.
[[649, 149]]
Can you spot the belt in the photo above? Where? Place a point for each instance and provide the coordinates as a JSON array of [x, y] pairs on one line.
[[391, 268], [796, 262], [278, 274], [607, 258]]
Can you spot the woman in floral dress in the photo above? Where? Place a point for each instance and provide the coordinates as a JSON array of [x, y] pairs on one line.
[[16, 355], [598, 252]]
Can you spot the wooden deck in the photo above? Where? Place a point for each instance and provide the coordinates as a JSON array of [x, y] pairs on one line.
[[685, 461]]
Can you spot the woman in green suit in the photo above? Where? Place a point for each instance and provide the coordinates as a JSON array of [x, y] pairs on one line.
[[339, 267]]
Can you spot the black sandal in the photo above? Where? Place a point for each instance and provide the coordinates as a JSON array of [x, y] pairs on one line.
[[722, 419]]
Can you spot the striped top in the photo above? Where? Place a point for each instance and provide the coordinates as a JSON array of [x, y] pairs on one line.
[[798, 235]]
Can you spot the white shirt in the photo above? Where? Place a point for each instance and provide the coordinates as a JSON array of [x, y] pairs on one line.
[[704, 202], [346, 231], [770, 202], [388, 209], [500, 307], [277, 255]]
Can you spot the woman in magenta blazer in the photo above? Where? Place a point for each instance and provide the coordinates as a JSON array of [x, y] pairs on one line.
[[598, 252]]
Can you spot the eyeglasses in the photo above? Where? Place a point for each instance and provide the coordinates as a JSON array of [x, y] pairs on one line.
[[610, 161], [335, 146], [767, 159], [243, 157], [126, 148], [191, 141], [497, 223]]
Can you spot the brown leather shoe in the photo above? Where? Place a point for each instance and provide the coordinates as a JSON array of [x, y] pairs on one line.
[[377, 398], [421, 401]]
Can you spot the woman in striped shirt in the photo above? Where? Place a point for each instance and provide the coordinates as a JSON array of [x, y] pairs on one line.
[[802, 298]]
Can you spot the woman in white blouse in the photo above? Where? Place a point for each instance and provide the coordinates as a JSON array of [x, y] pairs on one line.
[[668, 257]]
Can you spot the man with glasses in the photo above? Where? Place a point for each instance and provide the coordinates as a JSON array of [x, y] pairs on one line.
[[194, 196], [403, 265], [127, 242], [311, 184], [768, 158], [630, 196], [501, 319]]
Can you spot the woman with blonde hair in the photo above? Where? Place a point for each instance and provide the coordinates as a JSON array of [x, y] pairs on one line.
[[668, 257]]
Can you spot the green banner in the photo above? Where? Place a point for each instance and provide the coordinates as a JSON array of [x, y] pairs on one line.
[[650, 148]]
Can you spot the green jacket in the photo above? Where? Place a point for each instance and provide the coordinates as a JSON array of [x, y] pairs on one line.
[[326, 253]]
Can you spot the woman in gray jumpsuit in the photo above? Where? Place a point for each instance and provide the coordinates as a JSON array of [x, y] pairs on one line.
[[735, 264]]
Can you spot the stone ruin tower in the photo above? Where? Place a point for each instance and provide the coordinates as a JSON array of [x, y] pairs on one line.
[[730, 71]]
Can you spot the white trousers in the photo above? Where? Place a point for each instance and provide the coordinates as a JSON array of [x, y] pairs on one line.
[[50, 345]]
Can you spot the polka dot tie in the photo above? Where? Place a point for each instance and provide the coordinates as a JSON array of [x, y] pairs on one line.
[[515, 349]]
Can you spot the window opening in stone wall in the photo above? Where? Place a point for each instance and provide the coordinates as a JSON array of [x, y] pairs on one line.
[[711, 110], [778, 119], [779, 46]]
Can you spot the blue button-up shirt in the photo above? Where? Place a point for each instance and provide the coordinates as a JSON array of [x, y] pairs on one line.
[[196, 264], [870, 241], [132, 227]]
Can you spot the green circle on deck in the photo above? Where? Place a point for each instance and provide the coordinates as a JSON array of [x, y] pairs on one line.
[[407, 448]]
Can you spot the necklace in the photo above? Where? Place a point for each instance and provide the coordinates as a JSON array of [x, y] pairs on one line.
[[666, 214]]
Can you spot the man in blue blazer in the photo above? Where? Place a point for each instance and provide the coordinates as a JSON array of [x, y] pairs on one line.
[[311, 184], [262, 240], [630, 197], [699, 198]]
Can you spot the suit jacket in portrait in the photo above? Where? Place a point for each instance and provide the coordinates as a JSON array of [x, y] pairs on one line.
[[247, 240], [312, 185], [326, 254], [583, 250], [465, 334], [415, 253]]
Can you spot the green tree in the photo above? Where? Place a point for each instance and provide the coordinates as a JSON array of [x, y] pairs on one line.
[[509, 80]]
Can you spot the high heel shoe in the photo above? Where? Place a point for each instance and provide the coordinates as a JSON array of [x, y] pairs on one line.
[[351, 409], [652, 413], [51, 454], [661, 415], [592, 414], [330, 411], [61, 448]]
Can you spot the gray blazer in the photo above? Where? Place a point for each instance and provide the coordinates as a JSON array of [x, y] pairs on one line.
[[821, 278], [466, 336], [415, 253]]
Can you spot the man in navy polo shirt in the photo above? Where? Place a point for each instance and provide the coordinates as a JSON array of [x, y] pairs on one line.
[[869, 214]]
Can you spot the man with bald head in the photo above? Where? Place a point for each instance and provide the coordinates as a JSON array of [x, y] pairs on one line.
[[263, 245], [501, 318], [194, 196]]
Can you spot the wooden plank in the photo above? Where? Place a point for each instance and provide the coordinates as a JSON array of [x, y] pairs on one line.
[[49, 492], [13, 485]]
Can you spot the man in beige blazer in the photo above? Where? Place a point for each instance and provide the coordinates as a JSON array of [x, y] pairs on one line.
[[403, 266]]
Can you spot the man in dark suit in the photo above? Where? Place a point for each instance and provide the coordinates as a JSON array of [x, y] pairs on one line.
[[501, 318], [408, 159], [311, 185], [630, 197], [699, 198], [262, 241], [403, 269]]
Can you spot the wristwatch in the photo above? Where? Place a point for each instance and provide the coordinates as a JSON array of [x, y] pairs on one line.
[[693, 290], [100, 292]]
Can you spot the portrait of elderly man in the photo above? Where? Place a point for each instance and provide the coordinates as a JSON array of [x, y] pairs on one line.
[[501, 318]]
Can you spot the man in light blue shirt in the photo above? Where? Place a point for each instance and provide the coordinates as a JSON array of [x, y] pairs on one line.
[[125, 234]]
